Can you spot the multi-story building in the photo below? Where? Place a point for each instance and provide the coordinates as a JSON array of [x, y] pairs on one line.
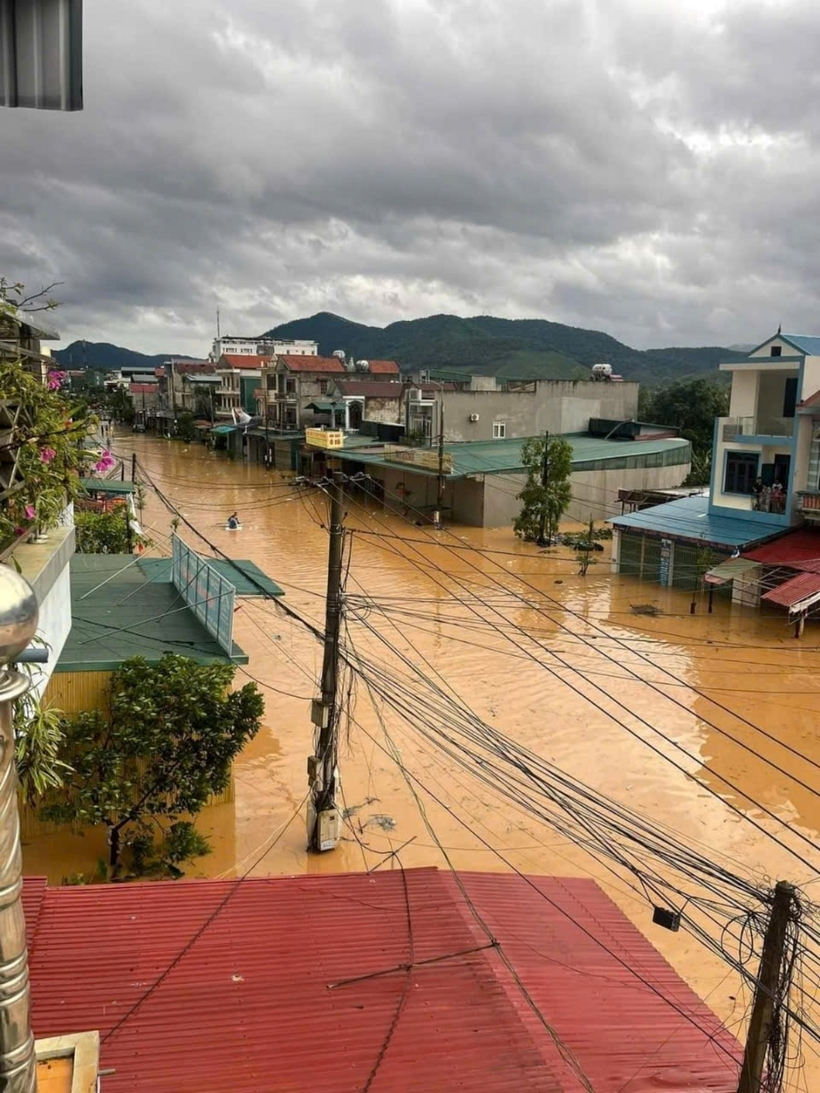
[[176, 393], [292, 385], [262, 347], [239, 380]]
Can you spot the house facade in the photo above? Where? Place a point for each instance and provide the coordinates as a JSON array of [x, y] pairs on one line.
[[358, 400], [290, 384], [766, 454], [239, 380]]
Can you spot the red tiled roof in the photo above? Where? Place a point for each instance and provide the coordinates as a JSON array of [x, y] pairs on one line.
[[384, 367], [242, 360], [795, 590], [296, 363], [144, 388], [243, 1002], [795, 550]]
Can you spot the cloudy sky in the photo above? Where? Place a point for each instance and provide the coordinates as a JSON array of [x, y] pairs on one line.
[[645, 167]]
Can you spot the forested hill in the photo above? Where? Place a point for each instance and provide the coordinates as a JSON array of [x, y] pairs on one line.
[[521, 348]]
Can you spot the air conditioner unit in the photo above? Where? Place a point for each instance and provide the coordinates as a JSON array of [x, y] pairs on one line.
[[473, 417]]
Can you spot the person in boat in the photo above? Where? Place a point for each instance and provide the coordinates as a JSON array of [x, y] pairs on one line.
[[233, 522]]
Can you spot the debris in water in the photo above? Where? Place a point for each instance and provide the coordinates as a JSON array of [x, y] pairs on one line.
[[645, 609], [386, 823], [348, 812]]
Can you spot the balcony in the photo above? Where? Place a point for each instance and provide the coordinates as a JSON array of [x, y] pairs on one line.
[[281, 396], [740, 428]]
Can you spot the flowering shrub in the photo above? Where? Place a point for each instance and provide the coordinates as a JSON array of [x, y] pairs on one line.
[[42, 455]]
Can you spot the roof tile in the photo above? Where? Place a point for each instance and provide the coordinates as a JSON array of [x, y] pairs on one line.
[[296, 363]]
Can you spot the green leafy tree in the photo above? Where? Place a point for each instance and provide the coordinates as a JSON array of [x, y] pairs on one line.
[[690, 406], [106, 533], [172, 734], [545, 497]]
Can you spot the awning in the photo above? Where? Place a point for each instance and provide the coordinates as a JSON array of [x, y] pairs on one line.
[[798, 593], [325, 407], [729, 570], [222, 430], [107, 485]]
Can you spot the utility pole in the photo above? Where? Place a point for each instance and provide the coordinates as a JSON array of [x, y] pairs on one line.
[[545, 478], [766, 989], [133, 466], [324, 820], [129, 534], [440, 483]]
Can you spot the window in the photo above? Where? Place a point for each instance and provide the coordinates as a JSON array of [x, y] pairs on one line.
[[290, 387], [776, 350], [323, 387], [790, 396], [741, 472], [499, 430]]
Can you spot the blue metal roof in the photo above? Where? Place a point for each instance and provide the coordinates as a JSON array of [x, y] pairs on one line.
[[689, 519], [807, 344]]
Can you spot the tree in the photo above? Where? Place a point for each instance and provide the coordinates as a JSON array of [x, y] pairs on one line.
[[167, 745], [547, 492], [690, 406], [106, 532]]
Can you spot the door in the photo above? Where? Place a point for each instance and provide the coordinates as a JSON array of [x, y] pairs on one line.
[[355, 415]]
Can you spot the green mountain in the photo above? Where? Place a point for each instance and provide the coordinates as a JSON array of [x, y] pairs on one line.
[[523, 348], [104, 357], [517, 348]]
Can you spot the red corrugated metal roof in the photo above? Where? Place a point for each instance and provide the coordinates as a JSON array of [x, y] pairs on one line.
[[296, 363], [795, 590], [623, 1033], [143, 388], [248, 1007], [795, 550]]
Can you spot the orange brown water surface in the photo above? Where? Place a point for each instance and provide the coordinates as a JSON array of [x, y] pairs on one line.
[[683, 718]]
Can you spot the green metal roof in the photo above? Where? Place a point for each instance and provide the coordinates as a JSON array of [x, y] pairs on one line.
[[247, 578], [222, 429], [107, 485], [325, 407], [134, 613], [588, 453], [689, 519]]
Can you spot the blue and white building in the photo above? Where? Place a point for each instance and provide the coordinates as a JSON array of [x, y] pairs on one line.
[[765, 472]]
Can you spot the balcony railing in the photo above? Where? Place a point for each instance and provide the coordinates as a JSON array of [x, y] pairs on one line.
[[808, 503], [760, 425]]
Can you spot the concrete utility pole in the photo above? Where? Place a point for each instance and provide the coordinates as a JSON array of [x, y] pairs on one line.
[[440, 483], [324, 821], [768, 978], [545, 478], [18, 623]]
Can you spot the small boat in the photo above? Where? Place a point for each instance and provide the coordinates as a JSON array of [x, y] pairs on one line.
[[233, 526]]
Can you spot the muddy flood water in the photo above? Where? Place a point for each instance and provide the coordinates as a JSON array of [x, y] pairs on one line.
[[554, 660]]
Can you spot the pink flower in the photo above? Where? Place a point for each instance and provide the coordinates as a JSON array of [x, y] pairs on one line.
[[31, 512], [105, 462], [47, 454], [55, 380]]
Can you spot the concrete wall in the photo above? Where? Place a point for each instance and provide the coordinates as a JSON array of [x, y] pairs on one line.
[[594, 493], [387, 410], [556, 406], [743, 399]]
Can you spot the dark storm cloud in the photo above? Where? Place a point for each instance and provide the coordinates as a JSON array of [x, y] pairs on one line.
[[627, 165]]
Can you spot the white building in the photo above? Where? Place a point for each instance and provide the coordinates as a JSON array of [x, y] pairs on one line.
[[262, 347]]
